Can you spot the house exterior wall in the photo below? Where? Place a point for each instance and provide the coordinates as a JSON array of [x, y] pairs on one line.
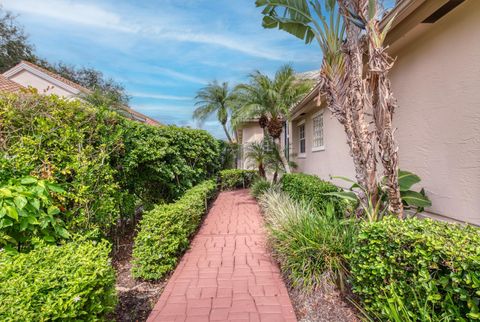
[[251, 132], [436, 80], [334, 160], [26, 79]]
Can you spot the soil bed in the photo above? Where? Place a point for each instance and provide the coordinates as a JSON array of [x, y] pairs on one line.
[[136, 298]]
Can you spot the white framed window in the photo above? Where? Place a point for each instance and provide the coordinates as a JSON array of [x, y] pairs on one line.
[[301, 139], [318, 134]]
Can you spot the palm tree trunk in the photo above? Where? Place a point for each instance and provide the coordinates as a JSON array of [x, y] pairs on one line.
[[229, 138], [282, 156]]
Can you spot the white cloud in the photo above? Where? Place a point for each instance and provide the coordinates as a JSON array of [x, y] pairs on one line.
[[160, 96], [161, 26], [181, 76]]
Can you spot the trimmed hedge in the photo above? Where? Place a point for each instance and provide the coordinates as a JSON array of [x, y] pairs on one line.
[[72, 282], [424, 268], [236, 178], [309, 188], [165, 231]]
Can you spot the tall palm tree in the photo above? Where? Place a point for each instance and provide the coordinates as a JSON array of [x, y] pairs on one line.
[[354, 78], [215, 98], [269, 100]]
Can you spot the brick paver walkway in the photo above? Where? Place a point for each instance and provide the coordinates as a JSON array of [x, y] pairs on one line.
[[228, 274]]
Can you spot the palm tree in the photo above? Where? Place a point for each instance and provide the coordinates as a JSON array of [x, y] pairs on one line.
[[258, 156], [269, 100], [354, 78], [215, 98]]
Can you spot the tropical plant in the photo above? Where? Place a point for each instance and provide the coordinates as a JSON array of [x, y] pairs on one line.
[[215, 98], [27, 210], [257, 155], [259, 187], [310, 245], [269, 100], [354, 78], [375, 209]]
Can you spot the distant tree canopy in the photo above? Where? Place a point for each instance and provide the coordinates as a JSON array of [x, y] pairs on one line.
[[15, 46]]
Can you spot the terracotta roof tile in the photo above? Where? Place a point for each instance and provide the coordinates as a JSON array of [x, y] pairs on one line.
[[9, 86]]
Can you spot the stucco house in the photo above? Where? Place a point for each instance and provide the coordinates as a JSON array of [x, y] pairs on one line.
[[26, 74], [436, 80]]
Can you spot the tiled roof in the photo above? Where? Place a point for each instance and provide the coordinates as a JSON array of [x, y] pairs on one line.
[[7, 85], [56, 76]]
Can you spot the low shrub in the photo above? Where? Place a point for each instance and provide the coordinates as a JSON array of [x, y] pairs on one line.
[[72, 282], [430, 266], [236, 178], [259, 187], [165, 231], [310, 189], [311, 246]]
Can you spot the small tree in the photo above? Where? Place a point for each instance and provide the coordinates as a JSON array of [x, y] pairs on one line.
[[269, 101], [354, 79]]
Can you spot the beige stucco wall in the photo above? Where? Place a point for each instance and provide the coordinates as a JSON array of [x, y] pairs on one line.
[[436, 80], [334, 160], [251, 132], [27, 79]]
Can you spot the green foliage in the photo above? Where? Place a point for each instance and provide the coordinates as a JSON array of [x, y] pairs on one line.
[[310, 245], [236, 178], [73, 282], [228, 154], [374, 211], [67, 142], [165, 231], [27, 209], [259, 187], [311, 189], [414, 265], [161, 163]]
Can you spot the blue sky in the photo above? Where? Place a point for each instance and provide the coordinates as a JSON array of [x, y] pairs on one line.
[[162, 51]]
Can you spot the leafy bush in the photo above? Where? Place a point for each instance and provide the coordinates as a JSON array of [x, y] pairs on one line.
[[165, 231], [427, 264], [310, 245], [27, 209], [67, 142], [161, 163], [310, 189], [259, 187], [236, 178], [73, 282]]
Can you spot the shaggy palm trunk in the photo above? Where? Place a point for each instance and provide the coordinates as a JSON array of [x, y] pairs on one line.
[[384, 105]]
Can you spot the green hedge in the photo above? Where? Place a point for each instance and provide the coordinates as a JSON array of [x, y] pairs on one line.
[[165, 231], [309, 188], [161, 163], [72, 282], [236, 178], [424, 269]]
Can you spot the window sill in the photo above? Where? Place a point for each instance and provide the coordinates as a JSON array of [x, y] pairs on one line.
[[302, 156], [317, 149]]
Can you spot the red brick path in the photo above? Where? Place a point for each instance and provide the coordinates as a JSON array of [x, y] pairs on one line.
[[228, 274]]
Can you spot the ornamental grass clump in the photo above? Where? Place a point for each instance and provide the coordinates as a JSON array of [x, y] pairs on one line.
[[418, 265], [165, 231], [259, 187], [310, 245]]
